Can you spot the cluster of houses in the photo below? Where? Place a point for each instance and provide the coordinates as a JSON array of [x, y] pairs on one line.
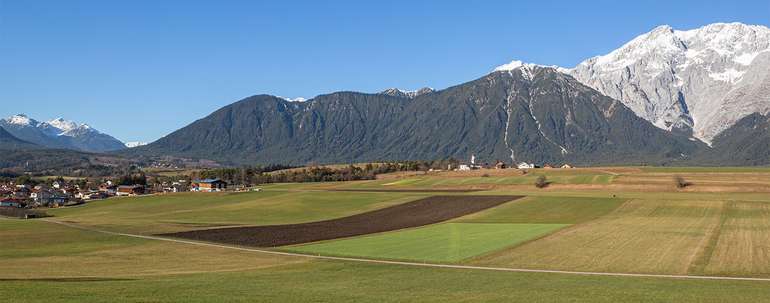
[[63, 193], [56, 194], [474, 164]]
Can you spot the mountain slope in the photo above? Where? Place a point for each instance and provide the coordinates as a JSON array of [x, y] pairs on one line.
[[528, 113], [9, 142], [747, 142], [699, 81], [60, 133], [336, 127]]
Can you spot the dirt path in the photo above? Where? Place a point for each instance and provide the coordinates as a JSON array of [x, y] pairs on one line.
[[371, 261]]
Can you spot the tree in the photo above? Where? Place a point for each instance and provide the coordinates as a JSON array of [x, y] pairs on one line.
[[681, 182], [541, 182]]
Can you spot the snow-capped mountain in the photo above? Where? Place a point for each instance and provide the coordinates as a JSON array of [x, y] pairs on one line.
[[701, 81], [60, 133], [410, 94]]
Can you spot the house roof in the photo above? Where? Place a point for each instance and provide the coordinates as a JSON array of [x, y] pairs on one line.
[[208, 181], [129, 186]]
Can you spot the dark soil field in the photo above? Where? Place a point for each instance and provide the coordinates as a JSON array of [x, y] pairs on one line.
[[413, 214]]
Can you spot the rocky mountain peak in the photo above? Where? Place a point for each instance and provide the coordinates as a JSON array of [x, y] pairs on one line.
[[697, 81]]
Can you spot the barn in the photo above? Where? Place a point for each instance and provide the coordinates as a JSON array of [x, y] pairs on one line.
[[209, 185]]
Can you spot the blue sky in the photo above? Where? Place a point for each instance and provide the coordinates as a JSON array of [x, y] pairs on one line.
[[141, 69]]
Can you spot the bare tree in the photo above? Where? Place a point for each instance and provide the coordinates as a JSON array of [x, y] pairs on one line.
[[681, 182]]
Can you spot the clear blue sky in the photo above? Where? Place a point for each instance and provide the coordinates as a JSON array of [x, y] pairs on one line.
[[141, 69]]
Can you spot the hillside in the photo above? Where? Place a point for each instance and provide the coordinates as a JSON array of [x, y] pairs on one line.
[[10, 142], [526, 113]]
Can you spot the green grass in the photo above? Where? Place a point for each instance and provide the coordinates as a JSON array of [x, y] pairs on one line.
[[449, 242], [354, 282], [555, 177], [724, 233], [32, 249], [559, 210], [174, 212]]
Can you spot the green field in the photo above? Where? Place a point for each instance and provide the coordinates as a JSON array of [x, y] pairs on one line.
[[68, 265], [558, 210], [175, 212], [553, 176], [346, 282], [613, 220], [449, 242]]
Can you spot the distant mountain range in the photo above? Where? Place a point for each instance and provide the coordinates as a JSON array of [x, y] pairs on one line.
[[668, 97], [60, 134], [527, 113]]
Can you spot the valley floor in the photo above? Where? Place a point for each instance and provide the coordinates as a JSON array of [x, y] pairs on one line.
[[583, 222]]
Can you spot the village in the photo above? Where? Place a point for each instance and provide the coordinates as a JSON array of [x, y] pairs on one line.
[[475, 164], [61, 192]]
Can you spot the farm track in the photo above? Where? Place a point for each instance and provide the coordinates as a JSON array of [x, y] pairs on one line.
[[417, 213], [415, 264]]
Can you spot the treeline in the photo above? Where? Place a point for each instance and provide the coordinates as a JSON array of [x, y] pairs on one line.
[[55, 162], [260, 175]]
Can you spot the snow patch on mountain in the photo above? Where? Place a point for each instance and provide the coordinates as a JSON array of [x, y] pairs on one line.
[[526, 67], [397, 92], [135, 144], [20, 119], [298, 99]]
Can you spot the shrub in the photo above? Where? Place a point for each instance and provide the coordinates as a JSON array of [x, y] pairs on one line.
[[485, 176], [541, 182], [681, 182]]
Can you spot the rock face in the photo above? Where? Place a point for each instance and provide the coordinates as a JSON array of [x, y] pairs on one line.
[[523, 113], [60, 133], [699, 82]]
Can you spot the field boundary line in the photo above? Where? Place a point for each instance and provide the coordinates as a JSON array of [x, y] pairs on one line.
[[404, 263]]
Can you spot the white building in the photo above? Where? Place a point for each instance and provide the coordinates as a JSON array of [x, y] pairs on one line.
[[525, 165]]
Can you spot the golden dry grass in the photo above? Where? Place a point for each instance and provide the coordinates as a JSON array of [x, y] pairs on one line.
[[742, 246], [641, 236]]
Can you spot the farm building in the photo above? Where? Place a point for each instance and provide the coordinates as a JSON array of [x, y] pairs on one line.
[[209, 185], [500, 165], [525, 165], [130, 190]]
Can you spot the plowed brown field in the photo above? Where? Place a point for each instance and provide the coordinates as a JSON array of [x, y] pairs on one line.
[[413, 214]]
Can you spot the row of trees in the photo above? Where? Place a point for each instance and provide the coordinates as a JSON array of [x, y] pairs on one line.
[[279, 174], [252, 175]]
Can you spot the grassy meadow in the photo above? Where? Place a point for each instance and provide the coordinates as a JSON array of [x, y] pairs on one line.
[[616, 219], [441, 243], [185, 211]]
